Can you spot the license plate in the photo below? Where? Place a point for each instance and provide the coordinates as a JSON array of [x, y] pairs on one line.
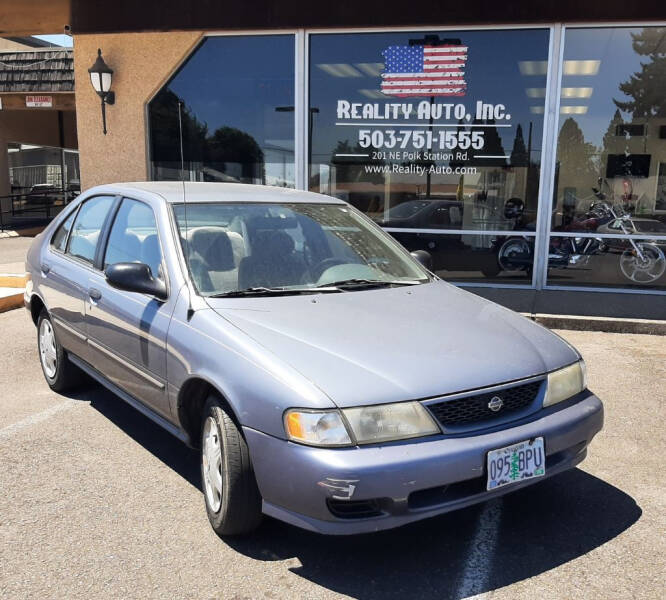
[[516, 463]]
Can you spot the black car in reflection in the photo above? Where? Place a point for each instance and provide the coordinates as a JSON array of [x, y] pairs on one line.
[[450, 253], [425, 213]]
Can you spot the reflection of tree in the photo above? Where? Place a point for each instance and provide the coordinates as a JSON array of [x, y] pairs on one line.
[[231, 145], [519, 156], [575, 155], [165, 134], [646, 87], [225, 145], [492, 145], [352, 169], [576, 166]]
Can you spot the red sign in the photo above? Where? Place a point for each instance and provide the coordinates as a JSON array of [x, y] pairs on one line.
[[39, 101]]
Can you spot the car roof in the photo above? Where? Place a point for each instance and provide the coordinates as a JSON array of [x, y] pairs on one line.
[[195, 191]]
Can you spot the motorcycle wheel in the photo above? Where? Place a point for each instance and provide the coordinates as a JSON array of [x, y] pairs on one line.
[[643, 271], [510, 251]]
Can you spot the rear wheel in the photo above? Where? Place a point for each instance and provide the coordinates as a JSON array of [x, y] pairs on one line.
[[59, 372], [233, 502]]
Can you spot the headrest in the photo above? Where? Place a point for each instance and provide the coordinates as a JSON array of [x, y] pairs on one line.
[[212, 244], [277, 243]]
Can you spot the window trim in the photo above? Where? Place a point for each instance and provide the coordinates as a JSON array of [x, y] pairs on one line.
[[107, 234], [61, 222], [66, 254]]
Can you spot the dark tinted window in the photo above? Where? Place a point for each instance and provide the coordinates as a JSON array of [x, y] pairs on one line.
[[233, 101], [133, 237], [59, 239], [88, 224]]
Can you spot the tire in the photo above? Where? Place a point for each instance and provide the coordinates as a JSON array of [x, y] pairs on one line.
[[232, 498], [60, 374]]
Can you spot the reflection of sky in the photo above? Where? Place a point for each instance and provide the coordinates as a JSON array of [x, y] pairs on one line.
[[492, 74], [618, 62], [237, 81]]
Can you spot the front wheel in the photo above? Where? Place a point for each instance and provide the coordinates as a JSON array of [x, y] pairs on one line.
[[233, 502], [647, 269]]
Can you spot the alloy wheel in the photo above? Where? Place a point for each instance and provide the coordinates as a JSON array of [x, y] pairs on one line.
[[211, 457], [47, 349]]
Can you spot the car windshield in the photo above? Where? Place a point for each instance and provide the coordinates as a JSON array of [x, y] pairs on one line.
[[258, 247]]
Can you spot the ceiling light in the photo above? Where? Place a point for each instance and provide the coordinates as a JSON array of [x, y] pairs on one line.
[[537, 110], [581, 67], [533, 67], [573, 110], [371, 69], [576, 92], [536, 92], [374, 94], [339, 70]]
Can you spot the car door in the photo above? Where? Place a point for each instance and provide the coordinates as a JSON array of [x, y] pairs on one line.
[[127, 330], [66, 265]]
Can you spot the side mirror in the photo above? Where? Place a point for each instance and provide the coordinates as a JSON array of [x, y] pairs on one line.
[[135, 277], [423, 258]]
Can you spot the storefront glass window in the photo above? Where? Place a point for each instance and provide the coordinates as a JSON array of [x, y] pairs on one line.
[[611, 158], [232, 105], [437, 132]]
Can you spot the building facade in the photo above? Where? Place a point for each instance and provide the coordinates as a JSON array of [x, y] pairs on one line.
[[525, 151]]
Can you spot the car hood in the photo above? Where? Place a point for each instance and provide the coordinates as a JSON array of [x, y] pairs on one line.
[[386, 345]]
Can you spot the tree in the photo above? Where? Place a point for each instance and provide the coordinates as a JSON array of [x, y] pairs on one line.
[[646, 87], [519, 156]]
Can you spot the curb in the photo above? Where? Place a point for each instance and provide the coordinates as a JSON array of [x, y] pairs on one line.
[[13, 280], [606, 324], [12, 301]]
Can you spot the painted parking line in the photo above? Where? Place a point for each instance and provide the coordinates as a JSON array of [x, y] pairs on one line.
[[14, 428], [479, 561]]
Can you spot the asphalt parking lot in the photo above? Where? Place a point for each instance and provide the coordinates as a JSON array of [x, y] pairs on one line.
[[97, 502]]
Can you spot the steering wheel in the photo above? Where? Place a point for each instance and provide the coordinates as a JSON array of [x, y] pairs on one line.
[[318, 270]]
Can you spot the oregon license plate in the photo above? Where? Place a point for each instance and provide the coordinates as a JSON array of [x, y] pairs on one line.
[[516, 463]]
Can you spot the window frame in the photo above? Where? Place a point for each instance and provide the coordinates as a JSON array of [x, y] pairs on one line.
[[61, 222], [75, 211], [107, 234]]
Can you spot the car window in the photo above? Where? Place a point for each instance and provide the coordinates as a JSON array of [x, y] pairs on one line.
[[133, 237], [88, 224], [59, 239]]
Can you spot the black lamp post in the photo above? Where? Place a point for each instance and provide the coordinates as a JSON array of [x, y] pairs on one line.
[[100, 77]]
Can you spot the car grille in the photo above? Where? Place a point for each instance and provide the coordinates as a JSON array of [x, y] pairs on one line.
[[475, 408]]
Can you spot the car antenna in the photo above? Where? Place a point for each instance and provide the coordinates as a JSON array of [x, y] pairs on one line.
[[190, 310]]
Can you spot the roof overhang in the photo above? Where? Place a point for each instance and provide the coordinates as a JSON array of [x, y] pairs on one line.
[[29, 17]]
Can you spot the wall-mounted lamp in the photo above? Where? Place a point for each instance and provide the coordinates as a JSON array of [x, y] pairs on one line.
[[100, 77]]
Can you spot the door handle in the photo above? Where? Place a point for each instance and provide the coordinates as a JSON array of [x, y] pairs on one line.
[[94, 294], [45, 268]]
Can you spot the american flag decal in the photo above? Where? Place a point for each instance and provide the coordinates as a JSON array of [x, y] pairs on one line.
[[424, 71]]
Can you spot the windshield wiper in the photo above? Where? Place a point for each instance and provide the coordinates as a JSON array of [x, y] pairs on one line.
[[270, 291], [364, 283]]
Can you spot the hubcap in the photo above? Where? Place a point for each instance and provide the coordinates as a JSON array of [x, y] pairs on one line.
[[47, 349], [211, 458]]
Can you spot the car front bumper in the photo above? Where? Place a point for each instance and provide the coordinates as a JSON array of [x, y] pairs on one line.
[[406, 481]]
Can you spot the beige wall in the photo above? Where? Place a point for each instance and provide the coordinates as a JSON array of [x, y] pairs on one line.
[[142, 62]]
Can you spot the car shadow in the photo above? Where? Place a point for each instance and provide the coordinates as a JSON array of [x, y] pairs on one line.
[[539, 528]]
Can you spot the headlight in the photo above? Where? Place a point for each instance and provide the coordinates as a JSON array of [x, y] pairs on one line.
[[564, 383], [386, 422], [319, 428], [367, 424]]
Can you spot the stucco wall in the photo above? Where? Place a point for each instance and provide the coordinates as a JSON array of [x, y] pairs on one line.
[[142, 62]]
